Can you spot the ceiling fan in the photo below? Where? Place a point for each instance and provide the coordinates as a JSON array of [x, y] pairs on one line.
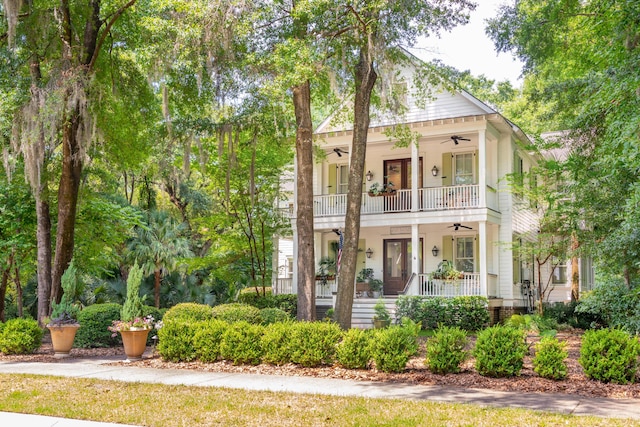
[[340, 151], [457, 225], [456, 139]]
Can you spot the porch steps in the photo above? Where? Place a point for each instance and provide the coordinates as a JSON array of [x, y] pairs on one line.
[[362, 313]]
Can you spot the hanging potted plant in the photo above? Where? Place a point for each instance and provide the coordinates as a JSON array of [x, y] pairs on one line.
[[132, 326], [63, 324]]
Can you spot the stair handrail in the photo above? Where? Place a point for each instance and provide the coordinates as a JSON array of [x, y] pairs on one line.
[[406, 286]]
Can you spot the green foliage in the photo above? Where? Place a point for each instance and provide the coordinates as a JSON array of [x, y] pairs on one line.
[[533, 323], [20, 336], [276, 343], [566, 314], [500, 351], [176, 342], [314, 343], [285, 302], [132, 307], [392, 347], [380, 310], [236, 312], [549, 360], [354, 351], [446, 350], [273, 315], [468, 313], [241, 343], [66, 311], [189, 311], [610, 355], [94, 321], [207, 338], [612, 304]]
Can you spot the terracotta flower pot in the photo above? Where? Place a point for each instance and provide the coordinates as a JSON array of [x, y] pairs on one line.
[[62, 337], [135, 343]]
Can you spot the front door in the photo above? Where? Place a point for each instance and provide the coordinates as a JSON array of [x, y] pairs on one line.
[[397, 173], [397, 265]]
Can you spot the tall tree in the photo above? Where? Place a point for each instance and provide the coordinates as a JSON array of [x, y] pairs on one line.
[[374, 31], [582, 63], [62, 44]]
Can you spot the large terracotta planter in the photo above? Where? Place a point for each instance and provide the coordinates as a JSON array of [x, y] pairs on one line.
[[135, 343], [62, 337]]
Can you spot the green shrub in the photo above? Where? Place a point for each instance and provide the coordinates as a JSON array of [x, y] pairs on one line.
[[276, 343], [354, 351], [446, 350], [94, 321], [610, 355], [241, 343], [20, 336], [314, 343], [273, 315], [176, 340], [549, 360], [468, 313], [236, 312], [285, 302], [132, 307], [533, 323], [566, 314], [392, 347], [207, 338], [612, 304], [189, 311], [500, 351]]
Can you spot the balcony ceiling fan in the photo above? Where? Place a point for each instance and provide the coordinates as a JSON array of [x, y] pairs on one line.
[[340, 151], [456, 139], [457, 225]]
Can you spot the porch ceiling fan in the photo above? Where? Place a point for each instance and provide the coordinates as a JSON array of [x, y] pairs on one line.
[[340, 151], [457, 225], [456, 139]]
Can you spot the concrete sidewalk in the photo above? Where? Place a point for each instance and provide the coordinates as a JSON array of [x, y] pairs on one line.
[[91, 368]]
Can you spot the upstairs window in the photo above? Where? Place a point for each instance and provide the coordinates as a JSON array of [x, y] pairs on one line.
[[463, 166]]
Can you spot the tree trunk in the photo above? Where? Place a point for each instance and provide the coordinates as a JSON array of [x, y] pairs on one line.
[[67, 200], [365, 78], [157, 278], [19, 298], [304, 201], [43, 238], [575, 271], [3, 291]]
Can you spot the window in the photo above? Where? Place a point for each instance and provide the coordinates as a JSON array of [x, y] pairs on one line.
[[464, 254], [559, 273], [463, 164], [343, 179]]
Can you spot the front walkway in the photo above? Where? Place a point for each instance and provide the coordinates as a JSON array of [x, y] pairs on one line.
[[98, 369]]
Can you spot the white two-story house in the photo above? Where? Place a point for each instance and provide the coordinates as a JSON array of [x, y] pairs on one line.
[[450, 201]]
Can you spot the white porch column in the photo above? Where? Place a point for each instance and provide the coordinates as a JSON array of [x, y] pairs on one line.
[[482, 165], [415, 257], [482, 244], [415, 167]]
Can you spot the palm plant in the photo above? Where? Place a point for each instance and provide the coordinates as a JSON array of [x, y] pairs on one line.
[[159, 247]]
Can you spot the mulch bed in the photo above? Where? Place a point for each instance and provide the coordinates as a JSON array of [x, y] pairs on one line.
[[576, 382]]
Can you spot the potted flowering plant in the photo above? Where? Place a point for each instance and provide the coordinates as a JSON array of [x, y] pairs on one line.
[[133, 326], [63, 323]]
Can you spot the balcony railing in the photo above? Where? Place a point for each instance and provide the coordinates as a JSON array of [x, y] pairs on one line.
[[429, 199], [469, 285]]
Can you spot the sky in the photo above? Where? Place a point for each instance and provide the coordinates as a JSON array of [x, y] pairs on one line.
[[469, 48]]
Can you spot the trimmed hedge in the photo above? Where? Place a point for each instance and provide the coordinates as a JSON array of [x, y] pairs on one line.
[[94, 321], [189, 311], [176, 340], [314, 343], [610, 355], [20, 336], [240, 343], [285, 302], [500, 351], [236, 312], [354, 352], [392, 347], [468, 313], [446, 350], [549, 361], [273, 315], [276, 343]]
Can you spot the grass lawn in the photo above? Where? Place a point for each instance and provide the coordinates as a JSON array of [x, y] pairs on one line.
[[161, 405]]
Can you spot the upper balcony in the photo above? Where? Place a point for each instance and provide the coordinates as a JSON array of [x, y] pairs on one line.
[[428, 199]]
